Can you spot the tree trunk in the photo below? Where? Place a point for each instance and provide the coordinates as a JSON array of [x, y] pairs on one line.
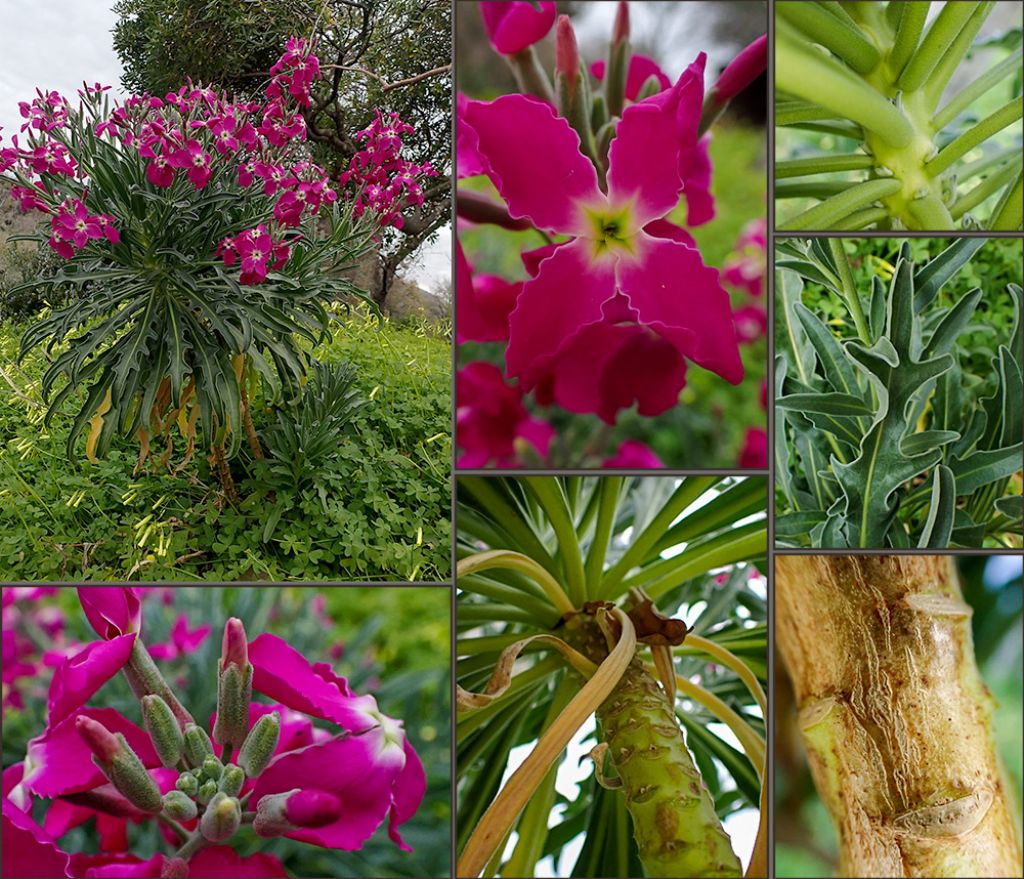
[[894, 716], [676, 828]]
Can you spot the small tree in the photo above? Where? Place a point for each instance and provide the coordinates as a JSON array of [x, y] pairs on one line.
[[202, 246]]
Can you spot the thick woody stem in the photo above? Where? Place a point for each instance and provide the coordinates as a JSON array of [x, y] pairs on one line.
[[894, 716], [250, 428]]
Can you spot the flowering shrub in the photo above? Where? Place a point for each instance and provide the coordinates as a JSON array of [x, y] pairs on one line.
[[618, 302], [318, 764], [202, 245]]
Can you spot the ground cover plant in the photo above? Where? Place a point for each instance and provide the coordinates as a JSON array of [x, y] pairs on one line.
[[375, 503], [869, 133], [637, 601], [898, 394], [580, 343], [245, 714], [899, 690]]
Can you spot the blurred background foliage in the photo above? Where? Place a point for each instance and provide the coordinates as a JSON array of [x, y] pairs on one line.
[[391, 642], [805, 838], [709, 427]]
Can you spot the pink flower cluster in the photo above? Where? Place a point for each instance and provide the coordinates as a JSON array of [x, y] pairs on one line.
[[73, 227], [34, 642], [45, 112], [383, 181], [294, 73], [337, 781], [616, 308], [256, 251]]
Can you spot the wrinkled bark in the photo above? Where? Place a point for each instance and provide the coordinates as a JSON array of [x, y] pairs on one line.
[[676, 828], [894, 716]]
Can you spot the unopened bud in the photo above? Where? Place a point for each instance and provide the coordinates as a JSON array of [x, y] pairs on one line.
[[277, 814], [174, 868], [197, 744], [221, 818], [651, 86], [234, 645], [231, 780], [234, 687], [207, 791], [620, 30], [212, 767], [743, 70], [187, 783], [567, 53], [163, 729], [101, 741], [178, 806], [260, 744]]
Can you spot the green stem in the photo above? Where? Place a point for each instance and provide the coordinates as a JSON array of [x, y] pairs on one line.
[[912, 20], [193, 844], [930, 214], [951, 59], [849, 289], [501, 510], [860, 219], [548, 492], [842, 38], [995, 122], [509, 595], [821, 165], [968, 95], [144, 678], [1007, 216], [813, 77], [812, 188], [995, 181], [824, 215], [937, 41], [982, 165], [791, 112], [183, 834], [610, 486], [530, 75]]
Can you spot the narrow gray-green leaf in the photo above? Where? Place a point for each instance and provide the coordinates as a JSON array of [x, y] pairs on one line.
[[939, 525], [827, 404], [981, 468], [926, 440]]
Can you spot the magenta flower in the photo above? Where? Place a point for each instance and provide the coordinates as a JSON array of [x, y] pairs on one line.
[[633, 455], [28, 850], [370, 768], [483, 304], [613, 276], [74, 224], [183, 640], [746, 266], [641, 69], [751, 323], [255, 250], [159, 172], [192, 158], [111, 610], [754, 454], [514, 26], [492, 420]]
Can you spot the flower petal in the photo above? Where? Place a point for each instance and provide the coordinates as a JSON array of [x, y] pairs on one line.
[[568, 293], [700, 204], [407, 794], [533, 158], [28, 850], [81, 675], [111, 610], [512, 26], [683, 301], [284, 674], [633, 455], [223, 862]]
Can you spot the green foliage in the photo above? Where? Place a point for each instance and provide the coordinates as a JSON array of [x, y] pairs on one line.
[[619, 529], [860, 129], [379, 507], [390, 642], [891, 432]]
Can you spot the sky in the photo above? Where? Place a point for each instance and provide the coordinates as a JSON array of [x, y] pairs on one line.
[[62, 43]]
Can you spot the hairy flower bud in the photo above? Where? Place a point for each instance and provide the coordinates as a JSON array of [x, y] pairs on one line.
[[207, 791], [174, 868], [567, 53], [277, 814], [231, 780], [187, 783], [234, 687], [260, 744], [221, 818], [197, 744], [212, 767], [620, 30], [163, 729], [119, 763], [179, 806]]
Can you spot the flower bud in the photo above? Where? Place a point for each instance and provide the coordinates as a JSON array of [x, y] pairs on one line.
[[567, 53], [277, 814], [743, 69], [212, 767], [187, 783], [234, 687], [163, 729], [119, 763], [179, 806], [207, 791], [174, 868], [231, 780], [620, 30], [197, 744], [221, 818], [260, 744]]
